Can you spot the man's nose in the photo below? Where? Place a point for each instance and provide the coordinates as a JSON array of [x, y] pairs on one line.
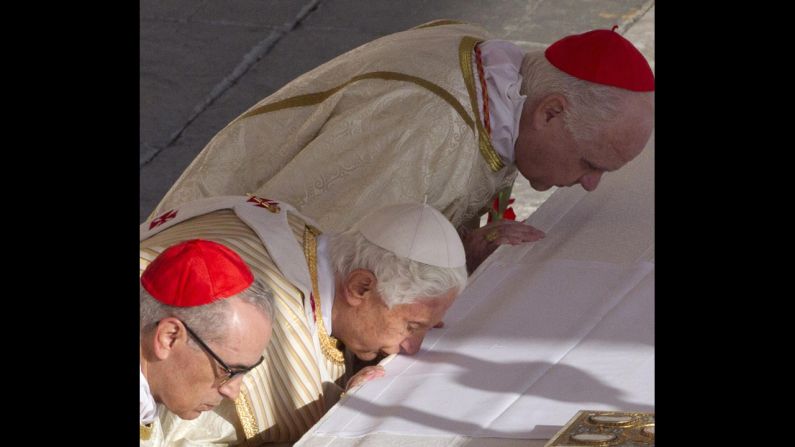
[[231, 389], [591, 180], [411, 345]]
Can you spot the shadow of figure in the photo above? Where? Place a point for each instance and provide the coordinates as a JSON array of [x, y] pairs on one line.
[[520, 377], [509, 381], [420, 417]]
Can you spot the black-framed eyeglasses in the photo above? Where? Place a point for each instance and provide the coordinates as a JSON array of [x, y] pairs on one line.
[[230, 373]]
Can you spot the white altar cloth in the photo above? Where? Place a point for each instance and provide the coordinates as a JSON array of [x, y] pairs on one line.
[[542, 331]]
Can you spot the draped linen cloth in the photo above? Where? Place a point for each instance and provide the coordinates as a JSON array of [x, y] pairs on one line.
[[395, 120], [542, 331], [295, 385]]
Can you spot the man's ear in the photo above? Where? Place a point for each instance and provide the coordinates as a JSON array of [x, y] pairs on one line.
[[359, 286], [550, 107], [167, 333]]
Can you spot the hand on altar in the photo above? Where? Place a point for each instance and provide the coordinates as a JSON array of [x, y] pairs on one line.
[[480, 243], [367, 374]]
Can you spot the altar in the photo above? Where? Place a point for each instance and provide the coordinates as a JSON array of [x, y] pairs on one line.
[[541, 332]]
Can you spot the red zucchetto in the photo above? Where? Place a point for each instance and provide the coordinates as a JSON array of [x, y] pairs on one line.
[[603, 57], [196, 272]]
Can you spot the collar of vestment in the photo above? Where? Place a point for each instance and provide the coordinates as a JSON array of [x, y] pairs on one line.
[[325, 280], [501, 65], [147, 401], [465, 51]]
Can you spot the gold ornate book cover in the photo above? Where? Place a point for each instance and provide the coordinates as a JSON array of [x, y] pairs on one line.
[[590, 428]]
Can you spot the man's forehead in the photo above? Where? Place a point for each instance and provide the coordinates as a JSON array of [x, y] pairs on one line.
[[621, 146], [611, 157], [425, 309]]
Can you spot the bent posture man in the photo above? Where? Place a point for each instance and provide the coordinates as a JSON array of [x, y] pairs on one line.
[[368, 291], [205, 322], [441, 112]]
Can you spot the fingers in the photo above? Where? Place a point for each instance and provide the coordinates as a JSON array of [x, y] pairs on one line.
[[481, 243], [512, 225], [411, 345], [515, 239], [371, 372], [510, 232], [377, 371], [365, 375]]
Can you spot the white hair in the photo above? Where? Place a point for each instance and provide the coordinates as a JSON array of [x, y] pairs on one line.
[[591, 106], [211, 320], [399, 280]]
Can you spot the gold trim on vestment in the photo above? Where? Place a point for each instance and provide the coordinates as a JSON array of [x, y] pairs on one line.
[[484, 142], [146, 431], [439, 22], [328, 344], [245, 413], [315, 98]]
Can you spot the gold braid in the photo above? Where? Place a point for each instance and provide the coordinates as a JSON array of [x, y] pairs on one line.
[[328, 344]]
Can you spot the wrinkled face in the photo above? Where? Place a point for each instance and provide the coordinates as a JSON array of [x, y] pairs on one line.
[[549, 155], [194, 383], [376, 329]]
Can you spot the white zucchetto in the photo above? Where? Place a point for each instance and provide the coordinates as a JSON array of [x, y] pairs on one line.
[[414, 231]]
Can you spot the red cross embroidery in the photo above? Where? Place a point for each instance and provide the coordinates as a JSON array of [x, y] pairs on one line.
[[165, 217], [270, 205]]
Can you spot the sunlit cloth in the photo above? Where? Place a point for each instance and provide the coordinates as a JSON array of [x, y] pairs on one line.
[[542, 331]]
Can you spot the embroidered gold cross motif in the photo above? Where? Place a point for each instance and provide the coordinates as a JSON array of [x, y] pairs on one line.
[[270, 205]]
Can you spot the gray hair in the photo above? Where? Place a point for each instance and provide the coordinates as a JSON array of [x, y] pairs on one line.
[[400, 280], [210, 321], [591, 106]]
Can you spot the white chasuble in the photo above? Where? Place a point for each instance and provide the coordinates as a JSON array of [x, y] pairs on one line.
[[395, 120]]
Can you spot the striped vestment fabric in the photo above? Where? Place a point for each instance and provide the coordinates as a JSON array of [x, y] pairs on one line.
[[283, 397]]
